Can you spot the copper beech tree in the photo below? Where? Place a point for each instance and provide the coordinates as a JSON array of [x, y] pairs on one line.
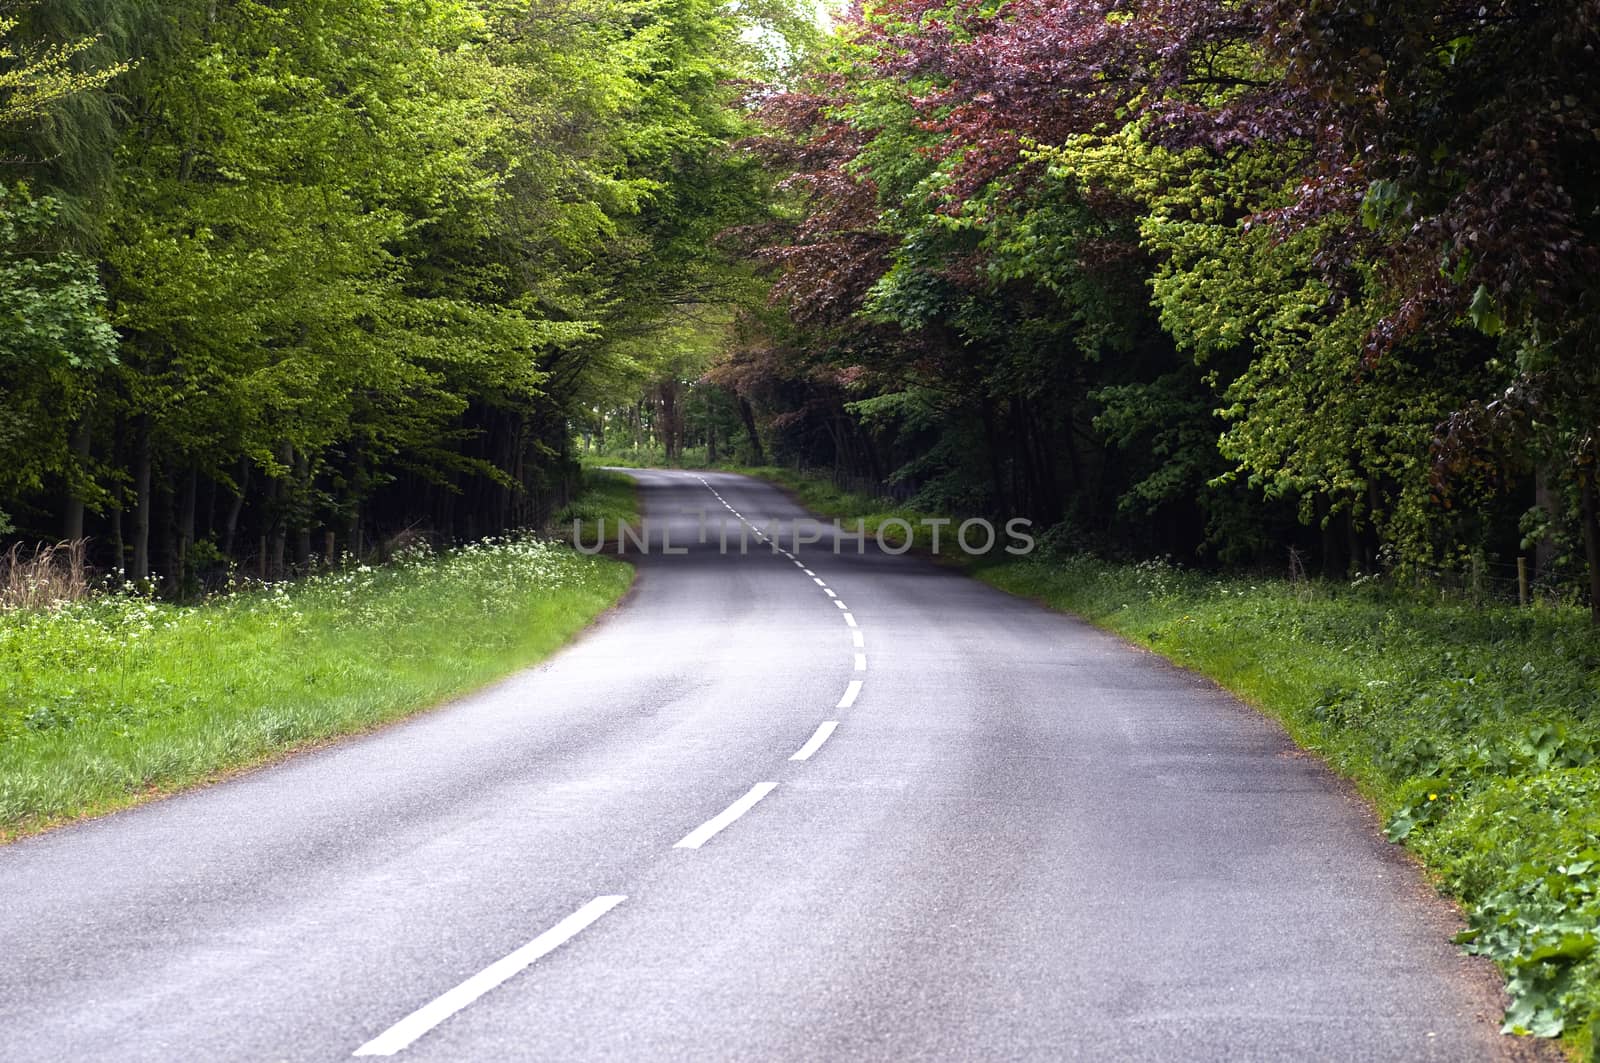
[[1211, 264]]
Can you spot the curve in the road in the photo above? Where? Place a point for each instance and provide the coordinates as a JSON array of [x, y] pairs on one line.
[[1038, 844], [415, 1025]]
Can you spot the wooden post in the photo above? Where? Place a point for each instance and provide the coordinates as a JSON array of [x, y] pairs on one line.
[[328, 548], [1522, 581], [261, 561]]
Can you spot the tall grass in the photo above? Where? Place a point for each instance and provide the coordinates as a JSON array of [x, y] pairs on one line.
[[106, 700], [1475, 730], [43, 576]]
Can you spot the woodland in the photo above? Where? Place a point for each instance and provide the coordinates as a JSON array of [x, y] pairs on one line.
[[285, 281], [1248, 283], [1281, 284]]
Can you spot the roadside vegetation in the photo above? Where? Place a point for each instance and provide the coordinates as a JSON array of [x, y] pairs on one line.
[[821, 495], [271, 274], [815, 492], [608, 496], [117, 697], [1474, 728]]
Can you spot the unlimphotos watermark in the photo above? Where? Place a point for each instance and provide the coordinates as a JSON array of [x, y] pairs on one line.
[[896, 535]]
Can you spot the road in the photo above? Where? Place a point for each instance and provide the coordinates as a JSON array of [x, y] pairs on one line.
[[1018, 839]]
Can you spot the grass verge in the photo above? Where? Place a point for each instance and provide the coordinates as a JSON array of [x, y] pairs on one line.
[[109, 701], [821, 496], [1474, 730], [611, 496]]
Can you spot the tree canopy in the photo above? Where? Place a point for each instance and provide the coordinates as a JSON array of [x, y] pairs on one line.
[[1209, 278], [1199, 277], [288, 268]]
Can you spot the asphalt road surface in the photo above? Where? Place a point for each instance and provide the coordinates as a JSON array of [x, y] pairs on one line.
[[843, 807]]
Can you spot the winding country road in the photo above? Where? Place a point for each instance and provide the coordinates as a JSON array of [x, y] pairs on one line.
[[845, 807]]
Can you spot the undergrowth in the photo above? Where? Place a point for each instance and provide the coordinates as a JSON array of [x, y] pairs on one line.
[[117, 697], [1474, 729], [879, 517]]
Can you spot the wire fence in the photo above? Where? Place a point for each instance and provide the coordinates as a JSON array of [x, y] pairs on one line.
[[1477, 578]]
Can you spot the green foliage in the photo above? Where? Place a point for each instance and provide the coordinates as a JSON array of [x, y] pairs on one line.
[[364, 260], [1476, 731], [37, 76], [111, 700], [53, 337]]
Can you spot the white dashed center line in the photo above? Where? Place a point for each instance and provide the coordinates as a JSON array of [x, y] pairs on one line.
[[711, 827], [814, 743], [425, 1018], [851, 692]]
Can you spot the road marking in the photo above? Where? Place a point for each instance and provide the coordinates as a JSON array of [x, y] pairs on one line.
[[709, 829], [861, 662], [425, 1018], [814, 743], [849, 619], [818, 581], [808, 572], [840, 604], [851, 692], [829, 593], [855, 636]]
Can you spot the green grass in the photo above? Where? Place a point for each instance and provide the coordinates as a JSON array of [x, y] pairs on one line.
[[646, 457], [612, 496], [820, 496], [109, 701], [1474, 730]]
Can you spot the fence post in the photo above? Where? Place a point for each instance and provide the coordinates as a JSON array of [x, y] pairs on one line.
[[1522, 581], [328, 552]]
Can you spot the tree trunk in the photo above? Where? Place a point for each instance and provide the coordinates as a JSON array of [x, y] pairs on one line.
[[748, 416], [72, 525], [141, 510], [230, 526], [671, 437], [1591, 546], [187, 497], [278, 492], [118, 547], [302, 537], [1545, 497]]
